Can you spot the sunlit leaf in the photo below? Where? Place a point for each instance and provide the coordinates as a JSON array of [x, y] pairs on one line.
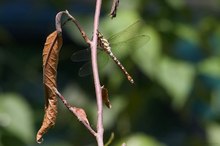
[[140, 140], [187, 32], [111, 116], [213, 132], [177, 78], [210, 66], [110, 27], [16, 117], [146, 57], [177, 4]]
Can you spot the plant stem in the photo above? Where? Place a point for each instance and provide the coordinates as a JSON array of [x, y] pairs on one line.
[[100, 129], [85, 37], [72, 110]]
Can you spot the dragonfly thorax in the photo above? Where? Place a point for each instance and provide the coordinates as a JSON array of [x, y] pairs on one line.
[[103, 43]]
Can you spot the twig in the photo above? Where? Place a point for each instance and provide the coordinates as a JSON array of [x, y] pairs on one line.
[[87, 40], [78, 112], [58, 21], [111, 138], [93, 45]]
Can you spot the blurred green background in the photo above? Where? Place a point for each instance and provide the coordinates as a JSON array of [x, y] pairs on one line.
[[176, 97]]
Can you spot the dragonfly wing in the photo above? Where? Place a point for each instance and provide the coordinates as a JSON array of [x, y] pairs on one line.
[[86, 69], [122, 48], [102, 59], [127, 33], [82, 55]]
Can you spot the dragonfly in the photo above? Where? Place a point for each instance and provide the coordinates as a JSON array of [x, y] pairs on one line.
[[130, 35]]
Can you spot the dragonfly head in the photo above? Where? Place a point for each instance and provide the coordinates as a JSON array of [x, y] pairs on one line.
[[99, 34]]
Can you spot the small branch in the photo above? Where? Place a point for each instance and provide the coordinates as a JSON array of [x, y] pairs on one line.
[[85, 37], [58, 21], [93, 45], [78, 112], [111, 138]]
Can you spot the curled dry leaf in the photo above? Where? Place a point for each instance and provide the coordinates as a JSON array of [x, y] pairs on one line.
[[115, 4], [50, 61], [81, 115], [105, 97]]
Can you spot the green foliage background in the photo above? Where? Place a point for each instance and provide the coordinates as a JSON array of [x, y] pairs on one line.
[[176, 97]]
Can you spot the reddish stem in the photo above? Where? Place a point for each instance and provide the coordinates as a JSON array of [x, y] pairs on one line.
[[93, 45], [73, 109]]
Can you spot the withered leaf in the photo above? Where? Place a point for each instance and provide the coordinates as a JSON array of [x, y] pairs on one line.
[[81, 114], [105, 97], [50, 61], [115, 4]]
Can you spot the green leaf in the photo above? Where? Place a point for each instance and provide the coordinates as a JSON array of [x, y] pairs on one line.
[[187, 32], [177, 78], [177, 4], [146, 57], [213, 132], [215, 101], [110, 27], [140, 140], [210, 66], [16, 117], [111, 116]]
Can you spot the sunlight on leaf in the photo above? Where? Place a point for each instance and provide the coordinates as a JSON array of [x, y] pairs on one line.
[[17, 117], [140, 140], [147, 56], [210, 66], [177, 78], [187, 32], [177, 4], [110, 27], [213, 132], [110, 115]]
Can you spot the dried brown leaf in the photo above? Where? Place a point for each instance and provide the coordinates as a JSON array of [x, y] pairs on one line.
[[105, 97], [50, 61], [81, 115], [114, 8]]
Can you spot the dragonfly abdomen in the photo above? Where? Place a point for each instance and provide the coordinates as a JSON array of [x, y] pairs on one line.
[[105, 45], [120, 65]]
